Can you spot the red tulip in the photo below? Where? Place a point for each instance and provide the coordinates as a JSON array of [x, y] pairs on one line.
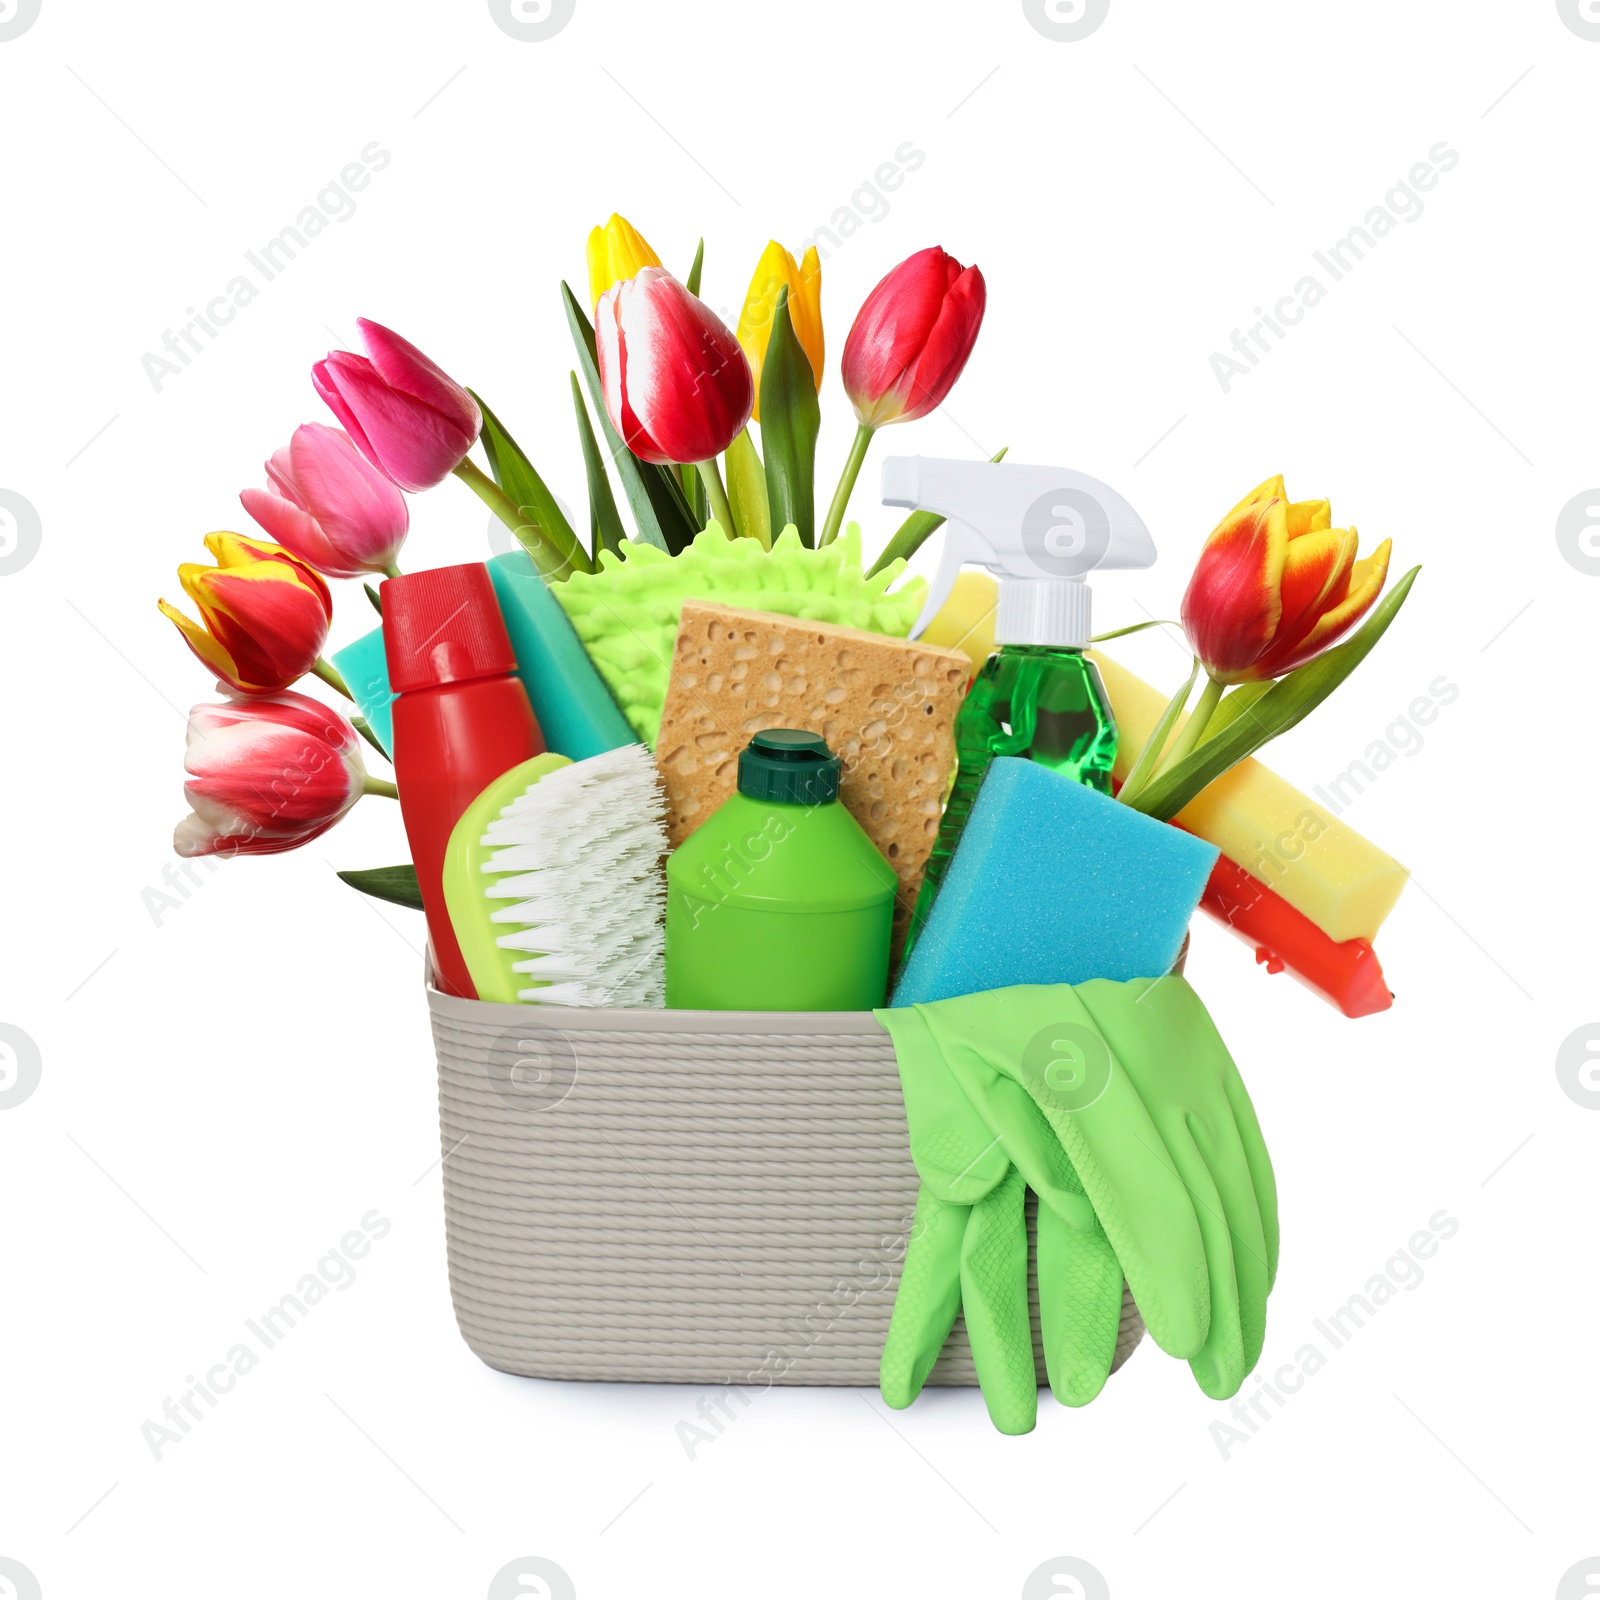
[[267, 773], [912, 337], [265, 613], [404, 414], [1276, 585], [330, 506], [677, 386]]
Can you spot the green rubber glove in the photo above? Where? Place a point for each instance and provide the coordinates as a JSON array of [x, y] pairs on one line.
[[968, 1247], [1177, 1067], [1128, 1087]]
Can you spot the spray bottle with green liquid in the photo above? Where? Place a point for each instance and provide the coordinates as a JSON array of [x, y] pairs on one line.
[[1041, 531]]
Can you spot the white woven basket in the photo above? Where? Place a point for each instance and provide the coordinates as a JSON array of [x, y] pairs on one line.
[[679, 1196]]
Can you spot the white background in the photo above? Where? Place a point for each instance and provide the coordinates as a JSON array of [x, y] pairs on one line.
[[226, 1091]]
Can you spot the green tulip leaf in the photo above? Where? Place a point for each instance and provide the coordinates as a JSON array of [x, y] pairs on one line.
[[655, 496], [914, 532], [372, 595], [397, 885], [1274, 711], [692, 282], [605, 523], [547, 536], [790, 418], [747, 490], [1132, 627]]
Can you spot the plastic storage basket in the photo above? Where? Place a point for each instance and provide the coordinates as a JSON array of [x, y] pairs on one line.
[[679, 1196]]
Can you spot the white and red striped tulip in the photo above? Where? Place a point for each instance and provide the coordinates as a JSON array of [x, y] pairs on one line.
[[677, 386], [267, 772]]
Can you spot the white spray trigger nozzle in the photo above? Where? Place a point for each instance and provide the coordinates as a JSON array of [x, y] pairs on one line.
[[1040, 530]]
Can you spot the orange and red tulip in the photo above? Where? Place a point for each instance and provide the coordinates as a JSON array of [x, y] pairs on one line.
[[1276, 584], [264, 613]]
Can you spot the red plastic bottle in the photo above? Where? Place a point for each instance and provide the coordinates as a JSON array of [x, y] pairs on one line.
[[461, 718]]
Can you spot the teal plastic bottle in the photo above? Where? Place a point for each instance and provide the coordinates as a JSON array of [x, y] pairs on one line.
[[779, 901], [1040, 530]]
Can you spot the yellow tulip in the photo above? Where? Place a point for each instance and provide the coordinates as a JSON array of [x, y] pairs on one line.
[[777, 269], [616, 251]]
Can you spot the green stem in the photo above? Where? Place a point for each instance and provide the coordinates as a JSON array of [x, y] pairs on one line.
[[553, 557], [847, 482], [391, 571], [1195, 727], [490, 492], [1145, 766], [717, 496], [380, 786], [329, 674]]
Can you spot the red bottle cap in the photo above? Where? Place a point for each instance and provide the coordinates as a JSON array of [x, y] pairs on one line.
[[443, 626]]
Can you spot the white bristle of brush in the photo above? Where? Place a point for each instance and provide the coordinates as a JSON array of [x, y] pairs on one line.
[[577, 858]]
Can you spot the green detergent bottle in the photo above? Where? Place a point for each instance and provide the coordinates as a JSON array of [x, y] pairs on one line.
[[779, 901], [1041, 531]]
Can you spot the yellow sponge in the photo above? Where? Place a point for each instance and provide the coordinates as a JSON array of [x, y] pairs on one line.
[[1322, 868]]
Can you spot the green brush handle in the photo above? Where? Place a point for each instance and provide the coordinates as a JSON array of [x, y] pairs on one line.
[[466, 883]]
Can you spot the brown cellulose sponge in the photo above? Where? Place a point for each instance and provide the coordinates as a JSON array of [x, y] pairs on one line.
[[886, 707]]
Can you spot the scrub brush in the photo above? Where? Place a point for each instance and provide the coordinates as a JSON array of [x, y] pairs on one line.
[[554, 882]]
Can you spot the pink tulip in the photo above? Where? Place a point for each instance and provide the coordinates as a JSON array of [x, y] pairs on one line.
[[329, 506], [677, 386], [267, 773], [912, 337], [405, 415]]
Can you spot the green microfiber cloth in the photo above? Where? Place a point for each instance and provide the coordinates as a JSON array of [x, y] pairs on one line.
[[627, 613]]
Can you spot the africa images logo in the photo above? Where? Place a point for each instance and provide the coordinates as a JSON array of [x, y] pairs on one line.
[[531, 21], [16, 17], [1065, 21]]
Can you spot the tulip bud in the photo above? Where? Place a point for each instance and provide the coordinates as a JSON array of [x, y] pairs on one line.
[[406, 416], [267, 773], [616, 251], [330, 506], [1275, 585], [677, 386], [265, 613], [911, 338], [778, 270]]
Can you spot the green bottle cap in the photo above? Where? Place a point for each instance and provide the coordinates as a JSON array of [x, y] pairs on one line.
[[789, 765]]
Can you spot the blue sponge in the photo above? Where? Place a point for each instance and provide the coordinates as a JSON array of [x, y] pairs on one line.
[[1055, 883]]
